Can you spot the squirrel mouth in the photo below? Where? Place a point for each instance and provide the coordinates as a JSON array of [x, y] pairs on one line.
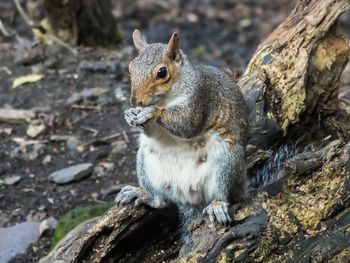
[[154, 100]]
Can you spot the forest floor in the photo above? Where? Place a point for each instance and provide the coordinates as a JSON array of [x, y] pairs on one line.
[[78, 104]]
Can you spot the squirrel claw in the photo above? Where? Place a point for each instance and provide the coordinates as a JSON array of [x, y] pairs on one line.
[[129, 116], [142, 201], [138, 116], [218, 211], [128, 194]]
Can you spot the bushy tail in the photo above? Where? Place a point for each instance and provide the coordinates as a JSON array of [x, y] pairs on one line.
[[269, 173]]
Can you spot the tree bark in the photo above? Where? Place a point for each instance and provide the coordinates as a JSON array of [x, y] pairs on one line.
[[290, 84], [88, 22]]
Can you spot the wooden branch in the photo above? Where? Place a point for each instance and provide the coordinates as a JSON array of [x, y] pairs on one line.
[[126, 234], [107, 237]]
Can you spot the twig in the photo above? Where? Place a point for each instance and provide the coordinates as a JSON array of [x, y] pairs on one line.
[[94, 132], [109, 137], [23, 142], [104, 139], [24, 15], [126, 137], [5, 31], [62, 43], [86, 107], [60, 138]]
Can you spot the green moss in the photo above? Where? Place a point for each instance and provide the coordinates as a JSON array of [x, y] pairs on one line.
[[198, 52], [75, 217]]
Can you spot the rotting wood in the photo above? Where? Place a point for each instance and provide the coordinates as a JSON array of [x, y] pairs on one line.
[[295, 72], [267, 227]]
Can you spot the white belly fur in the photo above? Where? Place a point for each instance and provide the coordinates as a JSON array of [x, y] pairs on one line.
[[173, 168]]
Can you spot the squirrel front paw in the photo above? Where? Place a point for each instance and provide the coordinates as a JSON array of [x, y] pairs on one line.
[[138, 116], [130, 193], [217, 211]]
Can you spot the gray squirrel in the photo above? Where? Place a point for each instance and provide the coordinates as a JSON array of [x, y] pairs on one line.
[[193, 123]]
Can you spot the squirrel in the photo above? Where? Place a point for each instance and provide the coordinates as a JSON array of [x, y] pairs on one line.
[[193, 123]]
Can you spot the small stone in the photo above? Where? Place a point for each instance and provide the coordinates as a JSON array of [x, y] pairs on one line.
[[72, 173], [16, 239], [42, 208], [73, 143], [73, 192], [47, 159], [47, 224], [103, 168], [43, 227], [35, 128], [119, 146], [35, 151], [245, 23], [94, 196], [7, 131], [12, 180]]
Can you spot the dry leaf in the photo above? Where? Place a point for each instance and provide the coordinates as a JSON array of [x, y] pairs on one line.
[[31, 78]]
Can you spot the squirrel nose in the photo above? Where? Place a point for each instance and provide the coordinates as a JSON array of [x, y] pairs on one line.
[[135, 102], [132, 100]]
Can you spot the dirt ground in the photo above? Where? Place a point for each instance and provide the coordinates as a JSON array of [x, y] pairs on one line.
[[224, 34]]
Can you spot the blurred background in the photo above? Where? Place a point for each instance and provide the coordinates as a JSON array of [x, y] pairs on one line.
[[234, 28], [64, 86]]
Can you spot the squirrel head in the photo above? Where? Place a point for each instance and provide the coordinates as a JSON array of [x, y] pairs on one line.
[[154, 71]]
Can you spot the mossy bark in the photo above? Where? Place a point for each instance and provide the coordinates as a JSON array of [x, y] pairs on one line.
[[291, 85], [291, 82]]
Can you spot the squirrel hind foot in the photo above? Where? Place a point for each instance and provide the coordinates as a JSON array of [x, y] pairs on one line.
[[218, 211]]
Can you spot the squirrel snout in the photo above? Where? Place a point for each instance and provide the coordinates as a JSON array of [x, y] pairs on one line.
[[136, 102], [132, 100]]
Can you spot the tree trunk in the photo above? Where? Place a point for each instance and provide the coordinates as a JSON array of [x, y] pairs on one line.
[[88, 22], [291, 86], [291, 83]]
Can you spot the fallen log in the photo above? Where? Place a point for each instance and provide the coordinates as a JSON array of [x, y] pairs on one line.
[[291, 88], [312, 207]]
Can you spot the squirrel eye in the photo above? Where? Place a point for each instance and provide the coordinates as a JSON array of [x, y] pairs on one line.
[[162, 73]]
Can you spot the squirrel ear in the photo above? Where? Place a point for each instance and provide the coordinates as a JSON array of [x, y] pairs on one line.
[[173, 48], [139, 40]]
